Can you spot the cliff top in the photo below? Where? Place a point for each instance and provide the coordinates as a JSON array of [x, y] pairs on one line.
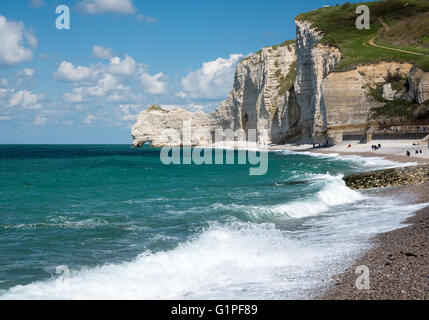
[[156, 107], [399, 31], [274, 47]]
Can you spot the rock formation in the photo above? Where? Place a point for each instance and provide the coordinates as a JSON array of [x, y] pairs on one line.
[[293, 93], [262, 98]]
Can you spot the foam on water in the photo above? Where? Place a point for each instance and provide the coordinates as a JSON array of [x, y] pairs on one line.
[[239, 260], [333, 193]]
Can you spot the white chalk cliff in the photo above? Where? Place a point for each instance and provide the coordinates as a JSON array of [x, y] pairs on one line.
[[291, 93]]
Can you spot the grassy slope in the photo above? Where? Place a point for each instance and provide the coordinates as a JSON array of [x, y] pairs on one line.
[[338, 25]]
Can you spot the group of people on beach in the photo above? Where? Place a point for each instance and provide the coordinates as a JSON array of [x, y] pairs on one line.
[[376, 147], [417, 152]]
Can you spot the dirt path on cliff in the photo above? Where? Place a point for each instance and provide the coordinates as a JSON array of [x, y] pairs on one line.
[[372, 43]]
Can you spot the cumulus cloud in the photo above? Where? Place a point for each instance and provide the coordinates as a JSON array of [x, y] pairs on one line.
[[102, 53], [66, 71], [127, 67], [76, 96], [108, 87], [153, 84], [123, 7], [27, 73], [213, 80], [15, 39], [130, 111], [114, 81], [26, 99]]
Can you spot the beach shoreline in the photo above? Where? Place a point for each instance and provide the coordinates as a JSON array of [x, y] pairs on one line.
[[398, 260]]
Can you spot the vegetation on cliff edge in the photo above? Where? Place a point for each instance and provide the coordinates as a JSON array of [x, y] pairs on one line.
[[156, 107], [408, 28]]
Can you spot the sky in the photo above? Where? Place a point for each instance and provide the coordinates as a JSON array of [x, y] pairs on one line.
[[86, 84]]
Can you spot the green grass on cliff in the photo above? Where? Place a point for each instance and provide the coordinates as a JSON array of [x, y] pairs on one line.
[[408, 22], [156, 107]]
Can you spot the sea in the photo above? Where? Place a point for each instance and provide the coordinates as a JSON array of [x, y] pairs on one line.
[[113, 222]]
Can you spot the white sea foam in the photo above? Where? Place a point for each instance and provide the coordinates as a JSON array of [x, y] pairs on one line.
[[241, 260], [333, 193]]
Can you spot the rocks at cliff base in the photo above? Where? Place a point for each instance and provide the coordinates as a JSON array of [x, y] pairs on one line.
[[389, 177]]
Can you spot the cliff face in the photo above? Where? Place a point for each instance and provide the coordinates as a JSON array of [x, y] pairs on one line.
[[336, 104], [293, 93], [162, 128], [314, 62], [346, 98], [262, 98]]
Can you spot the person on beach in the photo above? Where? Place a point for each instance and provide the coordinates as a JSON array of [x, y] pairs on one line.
[[408, 153]]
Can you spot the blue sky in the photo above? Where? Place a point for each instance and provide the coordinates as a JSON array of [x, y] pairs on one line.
[[86, 84]]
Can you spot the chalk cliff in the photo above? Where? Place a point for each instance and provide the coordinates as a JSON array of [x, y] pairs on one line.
[[262, 98], [293, 93]]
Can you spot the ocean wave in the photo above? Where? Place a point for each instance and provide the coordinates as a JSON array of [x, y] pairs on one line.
[[253, 257], [233, 261], [333, 193]]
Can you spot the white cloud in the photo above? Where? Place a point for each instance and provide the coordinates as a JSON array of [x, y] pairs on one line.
[[130, 111], [102, 53], [67, 72], [76, 96], [27, 72], [119, 81], [124, 7], [213, 80], [181, 94], [127, 67], [26, 99], [13, 38], [108, 87], [37, 3], [40, 120], [153, 84]]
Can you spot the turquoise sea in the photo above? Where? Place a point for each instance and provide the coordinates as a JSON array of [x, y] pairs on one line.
[[116, 223]]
